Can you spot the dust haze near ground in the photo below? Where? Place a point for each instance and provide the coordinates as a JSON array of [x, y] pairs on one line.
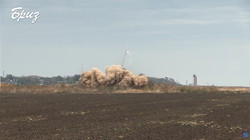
[[115, 75]]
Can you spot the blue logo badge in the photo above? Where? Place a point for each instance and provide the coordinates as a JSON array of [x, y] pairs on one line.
[[245, 134]]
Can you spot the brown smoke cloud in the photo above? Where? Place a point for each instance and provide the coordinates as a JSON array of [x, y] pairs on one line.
[[115, 75]]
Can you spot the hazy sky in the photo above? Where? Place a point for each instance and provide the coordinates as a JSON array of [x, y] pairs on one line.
[[166, 38]]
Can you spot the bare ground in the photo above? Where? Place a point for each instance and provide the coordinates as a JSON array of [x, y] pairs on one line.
[[189, 116]]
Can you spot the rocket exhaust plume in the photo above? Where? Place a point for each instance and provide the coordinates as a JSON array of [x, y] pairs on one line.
[[126, 53], [115, 75]]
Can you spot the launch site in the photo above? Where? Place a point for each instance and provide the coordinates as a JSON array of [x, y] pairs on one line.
[[124, 69]]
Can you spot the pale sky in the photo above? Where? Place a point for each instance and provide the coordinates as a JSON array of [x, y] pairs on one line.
[[166, 38]]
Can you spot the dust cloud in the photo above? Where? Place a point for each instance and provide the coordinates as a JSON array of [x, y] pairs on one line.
[[115, 75]]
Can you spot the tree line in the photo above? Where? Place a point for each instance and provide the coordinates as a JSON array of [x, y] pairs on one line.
[[38, 80]]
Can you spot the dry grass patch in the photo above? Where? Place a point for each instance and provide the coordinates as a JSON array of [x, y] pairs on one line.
[[222, 105], [29, 118], [192, 123], [160, 122], [73, 113], [198, 115]]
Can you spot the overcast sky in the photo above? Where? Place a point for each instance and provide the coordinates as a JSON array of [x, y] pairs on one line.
[[166, 38]]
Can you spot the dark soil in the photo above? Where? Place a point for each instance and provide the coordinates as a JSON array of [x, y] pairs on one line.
[[183, 116]]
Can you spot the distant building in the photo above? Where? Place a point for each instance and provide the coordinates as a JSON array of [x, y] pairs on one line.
[[195, 80]]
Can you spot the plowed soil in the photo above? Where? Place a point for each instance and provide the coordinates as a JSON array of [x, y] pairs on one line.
[[182, 116]]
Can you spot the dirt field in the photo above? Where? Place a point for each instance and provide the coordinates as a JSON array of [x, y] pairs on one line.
[[184, 116]]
